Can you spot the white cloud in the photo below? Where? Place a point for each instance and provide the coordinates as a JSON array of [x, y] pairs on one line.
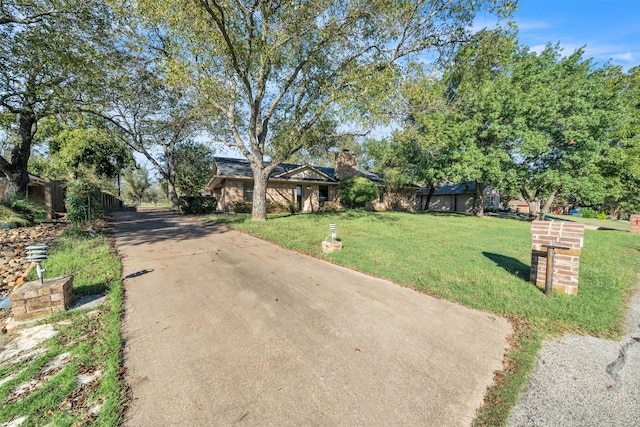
[[532, 25], [625, 56]]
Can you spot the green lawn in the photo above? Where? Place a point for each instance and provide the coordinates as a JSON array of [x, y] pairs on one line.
[[604, 223], [92, 340], [479, 262]]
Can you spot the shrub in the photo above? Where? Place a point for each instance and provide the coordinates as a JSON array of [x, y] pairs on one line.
[[602, 215], [587, 213], [197, 205], [242, 206], [83, 203], [356, 191], [330, 207], [275, 207], [11, 219], [26, 208]]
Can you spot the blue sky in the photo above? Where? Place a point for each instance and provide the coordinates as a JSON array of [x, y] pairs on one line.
[[609, 29]]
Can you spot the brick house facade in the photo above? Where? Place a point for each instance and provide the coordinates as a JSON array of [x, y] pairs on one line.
[[306, 186]]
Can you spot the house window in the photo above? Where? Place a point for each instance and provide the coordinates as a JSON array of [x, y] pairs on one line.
[[247, 191], [323, 194], [409, 196], [489, 201], [381, 198]]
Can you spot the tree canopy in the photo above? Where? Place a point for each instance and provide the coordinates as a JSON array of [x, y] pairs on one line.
[[532, 124], [45, 70], [277, 77]]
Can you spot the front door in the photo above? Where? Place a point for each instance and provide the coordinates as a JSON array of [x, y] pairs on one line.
[[299, 197]]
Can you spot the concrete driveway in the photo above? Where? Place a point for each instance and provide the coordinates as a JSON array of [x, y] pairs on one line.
[[223, 329]]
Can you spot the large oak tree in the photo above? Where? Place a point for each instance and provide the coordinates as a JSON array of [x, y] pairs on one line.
[[274, 75], [51, 52]]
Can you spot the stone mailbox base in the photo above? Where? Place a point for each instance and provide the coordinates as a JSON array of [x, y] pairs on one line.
[[34, 299], [329, 246]]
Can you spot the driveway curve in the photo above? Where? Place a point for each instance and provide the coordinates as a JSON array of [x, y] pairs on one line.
[[222, 328]]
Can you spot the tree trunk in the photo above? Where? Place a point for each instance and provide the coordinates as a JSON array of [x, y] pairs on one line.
[[259, 211], [532, 202], [478, 200], [173, 195], [614, 211], [171, 178], [432, 190], [17, 182], [547, 204], [16, 171]]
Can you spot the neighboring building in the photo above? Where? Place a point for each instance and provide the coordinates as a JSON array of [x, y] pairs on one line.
[[457, 198], [309, 187], [519, 205], [51, 194], [35, 190]]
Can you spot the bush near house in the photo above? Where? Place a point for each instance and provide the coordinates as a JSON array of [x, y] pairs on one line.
[[355, 192], [242, 206], [197, 205], [83, 203]]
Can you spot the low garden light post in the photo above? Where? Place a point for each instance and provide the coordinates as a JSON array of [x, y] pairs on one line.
[[37, 254], [334, 244]]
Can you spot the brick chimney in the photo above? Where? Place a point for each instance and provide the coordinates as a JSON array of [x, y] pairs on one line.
[[345, 164]]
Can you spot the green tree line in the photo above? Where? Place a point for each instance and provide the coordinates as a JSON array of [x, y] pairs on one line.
[[537, 126], [85, 84]]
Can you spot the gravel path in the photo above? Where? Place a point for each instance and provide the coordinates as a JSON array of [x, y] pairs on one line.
[[585, 381]]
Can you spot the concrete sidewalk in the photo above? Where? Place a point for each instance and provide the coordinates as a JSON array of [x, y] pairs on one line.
[[222, 328]]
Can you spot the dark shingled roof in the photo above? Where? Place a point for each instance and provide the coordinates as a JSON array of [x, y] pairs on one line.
[[451, 189], [240, 168]]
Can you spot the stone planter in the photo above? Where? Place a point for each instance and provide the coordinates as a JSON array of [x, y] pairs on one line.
[[329, 246]]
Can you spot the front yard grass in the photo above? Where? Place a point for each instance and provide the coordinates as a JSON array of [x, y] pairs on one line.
[[88, 342], [481, 263]]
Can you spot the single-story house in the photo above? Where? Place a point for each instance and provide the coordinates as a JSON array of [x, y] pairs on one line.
[[309, 187], [457, 198]]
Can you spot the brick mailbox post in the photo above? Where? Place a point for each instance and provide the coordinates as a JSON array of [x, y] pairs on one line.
[[565, 239], [634, 223]]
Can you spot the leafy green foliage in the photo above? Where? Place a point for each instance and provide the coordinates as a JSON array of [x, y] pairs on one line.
[[137, 184], [197, 205], [78, 148], [532, 124], [243, 206], [356, 191], [27, 208], [619, 166], [46, 71], [11, 218], [587, 213], [83, 203], [194, 166], [275, 80]]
